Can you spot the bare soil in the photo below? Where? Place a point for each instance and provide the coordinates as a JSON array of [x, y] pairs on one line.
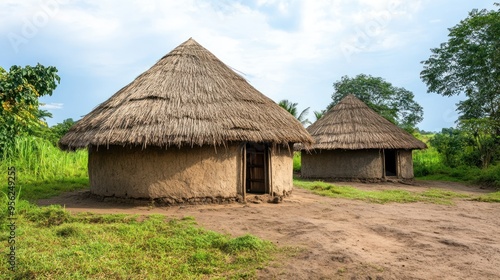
[[348, 239]]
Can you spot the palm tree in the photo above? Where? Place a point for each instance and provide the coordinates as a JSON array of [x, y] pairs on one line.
[[319, 114], [292, 109]]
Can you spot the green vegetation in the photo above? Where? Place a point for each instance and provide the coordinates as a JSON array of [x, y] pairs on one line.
[[393, 103], [20, 88], [296, 161], [52, 244], [379, 196], [292, 109], [469, 63], [42, 169], [447, 162], [491, 197]]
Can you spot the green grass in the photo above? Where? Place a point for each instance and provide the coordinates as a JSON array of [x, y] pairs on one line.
[[491, 197], [52, 244], [37, 159], [43, 170], [436, 196]]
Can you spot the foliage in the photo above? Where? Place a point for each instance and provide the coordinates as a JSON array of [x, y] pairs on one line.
[[472, 143], [379, 196], [482, 139], [20, 89], [430, 164], [319, 114], [469, 62], [55, 132], [37, 159], [450, 144], [393, 103], [52, 244], [490, 176], [292, 109], [296, 161]]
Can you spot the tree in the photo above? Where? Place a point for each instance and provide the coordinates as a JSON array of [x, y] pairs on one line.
[[292, 109], [20, 89], [450, 144], [60, 129], [319, 114], [394, 103], [482, 140], [469, 63]]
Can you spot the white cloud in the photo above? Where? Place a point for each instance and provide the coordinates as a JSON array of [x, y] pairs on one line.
[[52, 106], [286, 49]]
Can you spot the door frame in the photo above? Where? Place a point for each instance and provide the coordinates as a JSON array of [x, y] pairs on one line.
[[265, 149]]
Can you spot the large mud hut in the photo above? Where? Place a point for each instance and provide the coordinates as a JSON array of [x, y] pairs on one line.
[[188, 129], [354, 142]]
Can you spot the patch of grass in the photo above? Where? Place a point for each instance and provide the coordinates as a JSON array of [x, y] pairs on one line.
[[52, 244], [491, 197], [436, 196], [33, 190]]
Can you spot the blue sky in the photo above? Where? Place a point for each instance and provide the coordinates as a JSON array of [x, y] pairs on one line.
[[291, 50]]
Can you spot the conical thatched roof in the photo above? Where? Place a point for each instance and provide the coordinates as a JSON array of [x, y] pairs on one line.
[[352, 125], [189, 97]]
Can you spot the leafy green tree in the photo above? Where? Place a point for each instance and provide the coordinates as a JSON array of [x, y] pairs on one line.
[[482, 140], [469, 63], [60, 129], [394, 103], [292, 109], [450, 144], [20, 90]]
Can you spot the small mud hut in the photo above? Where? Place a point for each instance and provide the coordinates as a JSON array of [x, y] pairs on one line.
[[189, 129], [354, 142]]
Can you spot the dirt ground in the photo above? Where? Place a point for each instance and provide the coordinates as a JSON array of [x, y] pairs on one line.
[[346, 239]]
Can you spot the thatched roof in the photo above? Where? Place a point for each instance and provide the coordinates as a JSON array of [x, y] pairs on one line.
[[189, 97], [352, 125]]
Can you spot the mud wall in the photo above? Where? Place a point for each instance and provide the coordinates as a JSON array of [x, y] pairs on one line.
[[363, 164], [172, 173], [281, 171], [405, 164]]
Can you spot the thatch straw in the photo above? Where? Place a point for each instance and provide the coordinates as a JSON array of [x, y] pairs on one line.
[[352, 125], [189, 97]]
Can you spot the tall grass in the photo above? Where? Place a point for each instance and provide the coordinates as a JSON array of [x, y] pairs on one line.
[[43, 170], [37, 159], [426, 162]]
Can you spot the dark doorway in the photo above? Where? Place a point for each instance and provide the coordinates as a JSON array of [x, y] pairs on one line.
[[390, 160], [256, 168]]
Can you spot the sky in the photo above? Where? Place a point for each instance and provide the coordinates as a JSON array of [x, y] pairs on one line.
[[291, 50]]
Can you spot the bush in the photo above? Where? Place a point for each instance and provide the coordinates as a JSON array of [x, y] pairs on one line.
[[296, 162], [490, 176]]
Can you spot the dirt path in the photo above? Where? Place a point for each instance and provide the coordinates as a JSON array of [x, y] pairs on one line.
[[346, 239]]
